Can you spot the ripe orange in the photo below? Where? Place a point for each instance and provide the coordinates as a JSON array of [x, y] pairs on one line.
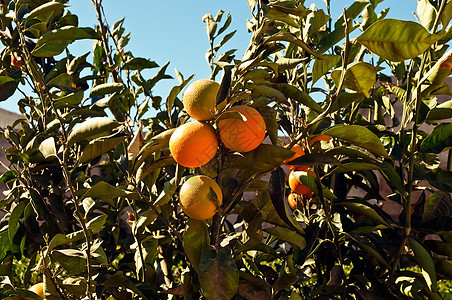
[[200, 197], [199, 99], [193, 144], [297, 186], [240, 135], [298, 153], [293, 199], [318, 138], [38, 289]]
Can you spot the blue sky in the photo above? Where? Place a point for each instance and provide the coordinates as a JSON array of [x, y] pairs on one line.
[[173, 30]]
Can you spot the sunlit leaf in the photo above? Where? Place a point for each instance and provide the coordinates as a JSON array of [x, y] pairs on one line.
[[106, 88], [323, 65], [91, 128], [139, 63], [72, 260], [359, 77], [425, 261], [99, 146], [54, 42], [288, 235], [397, 40], [363, 208], [359, 136], [439, 140]]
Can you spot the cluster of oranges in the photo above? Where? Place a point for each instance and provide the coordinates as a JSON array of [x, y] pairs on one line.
[[240, 128], [299, 190]]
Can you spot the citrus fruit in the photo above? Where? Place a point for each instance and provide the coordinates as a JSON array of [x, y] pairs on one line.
[[193, 144], [38, 289], [298, 153], [293, 199], [199, 99], [242, 135], [319, 138], [199, 197], [297, 186]]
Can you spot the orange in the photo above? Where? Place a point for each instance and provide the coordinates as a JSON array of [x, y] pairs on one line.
[[239, 134], [293, 199], [297, 186], [199, 197], [298, 153], [200, 98], [193, 144], [38, 289], [318, 138]]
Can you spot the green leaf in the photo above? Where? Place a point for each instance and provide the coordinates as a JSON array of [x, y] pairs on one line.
[[45, 8], [439, 247], [263, 158], [13, 224], [139, 63], [440, 112], [288, 235], [323, 65], [437, 204], [439, 140], [119, 280], [61, 239], [5, 79], [91, 128], [285, 63], [103, 189], [392, 176], [8, 87], [195, 240], [397, 40], [106, 88], [443, 267], [8, 175], [359, 77], [173, 94], [96, 224], [359, 136], [366, 209], [291, 38], [298, 95], [315, 159], [226, 38], [54, 42], [218, 274], [440, 179], [72, 260], [99, 146], [354, 166], [47, 147], [336, 35], [425, 261], [427, 13], [269, 92], [226, 24], [271, 123], [279, 15], [70, 100]]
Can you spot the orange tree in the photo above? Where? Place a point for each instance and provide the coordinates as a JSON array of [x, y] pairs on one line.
[[91, 206]]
